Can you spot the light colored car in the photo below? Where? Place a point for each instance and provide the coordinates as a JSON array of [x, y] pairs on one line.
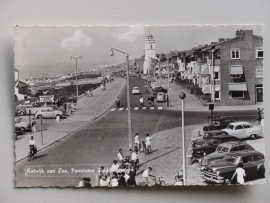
[[155, 86], [24, 126], [135, 90], [243, 130], [23, 109], [161, 96], [48, 113]]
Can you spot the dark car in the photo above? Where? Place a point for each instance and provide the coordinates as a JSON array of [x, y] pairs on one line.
[[159, 89], [222, 150], [208, 135], [217, 124], [222, 172], [210, 146]]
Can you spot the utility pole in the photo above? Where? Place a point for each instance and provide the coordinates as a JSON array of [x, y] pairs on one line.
[[77, 88]]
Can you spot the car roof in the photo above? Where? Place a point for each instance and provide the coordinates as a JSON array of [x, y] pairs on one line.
[[240, 123], [233, 143], [220, 119], [135, 87], [245, 153]]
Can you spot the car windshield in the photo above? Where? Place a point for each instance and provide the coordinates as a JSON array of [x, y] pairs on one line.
[[215, 123], [230, 127], [231, 159], [222, 149], [135, 88], [207, 135]]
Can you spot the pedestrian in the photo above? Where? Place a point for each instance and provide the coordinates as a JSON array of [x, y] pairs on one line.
[[240, 172], [103, 181], [148, 142], [58, 103], [137, 141], [141, 102], [133, 159], [167, 100], [85, 182], [120, 157], [146, 88], [132, 180], [259, 117], [146, 174], [152, 101], [114, 180], [122, 181], [34, 125], [149, 102], [114, 166]]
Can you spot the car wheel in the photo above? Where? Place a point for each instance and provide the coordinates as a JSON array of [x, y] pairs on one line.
[[21, 113], [228, 181], [39, 116], [253, 136]]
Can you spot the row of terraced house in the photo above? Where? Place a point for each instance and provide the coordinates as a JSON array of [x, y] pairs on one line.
[[227, 72]]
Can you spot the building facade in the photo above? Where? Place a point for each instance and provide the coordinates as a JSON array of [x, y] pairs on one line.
[[149, 52]]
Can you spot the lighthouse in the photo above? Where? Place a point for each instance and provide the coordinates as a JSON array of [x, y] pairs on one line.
[[149, 51]]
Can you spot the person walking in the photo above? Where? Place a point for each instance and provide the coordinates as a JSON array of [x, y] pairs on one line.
[[34, 125], [146, 174], [141, 102], [120, 157], [137, 142], [148, 142], [240, 172], [259, 117]]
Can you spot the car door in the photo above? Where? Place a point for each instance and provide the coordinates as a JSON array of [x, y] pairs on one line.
[[239, 131], [249, 166], [49, 113]]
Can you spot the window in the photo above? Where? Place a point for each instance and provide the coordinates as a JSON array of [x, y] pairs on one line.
[[235, 76], [238, 127], [235, 54], [216, 76], [234, 149], [247, 126], [49, 110], [259, 71], [247, 159], [237, 94], [257, 158], [217, 95], [259, 53], [242, 147]]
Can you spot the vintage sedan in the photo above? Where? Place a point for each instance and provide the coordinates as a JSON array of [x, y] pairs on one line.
[[48, 113], [243, 130], [208, 135], [199, 152], [222, 172], [222, 150], [217, 124], [25, 126], [161, 97], [135, 90]]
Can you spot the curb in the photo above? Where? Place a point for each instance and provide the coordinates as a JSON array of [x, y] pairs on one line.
[[73, 131]]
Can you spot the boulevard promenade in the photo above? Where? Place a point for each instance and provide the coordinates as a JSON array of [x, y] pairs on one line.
[[88, 109]]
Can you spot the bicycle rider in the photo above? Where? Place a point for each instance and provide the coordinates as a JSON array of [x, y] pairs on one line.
[[146, 174], [148, 142], [32, 146]]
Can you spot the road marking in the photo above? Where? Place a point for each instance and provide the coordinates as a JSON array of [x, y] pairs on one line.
[[136, 108], [159, 108], [143, 108], [120, 109], [152, 108], [113, 109]]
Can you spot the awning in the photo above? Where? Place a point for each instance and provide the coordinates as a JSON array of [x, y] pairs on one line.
[[205, 69], [238, 87], [236, 70], [206, 89]]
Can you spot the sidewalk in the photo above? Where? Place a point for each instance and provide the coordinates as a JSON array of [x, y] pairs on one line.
[[193, 104], [88, 109]]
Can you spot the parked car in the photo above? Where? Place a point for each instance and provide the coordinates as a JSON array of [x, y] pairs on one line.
[[25, 109], [151, 80], [135, 90], [161, 97], [222, 172], [158, 89], [243, 130], [208, 135], [222, 150], [18, 131], [199, 152], [217, 124], [25, 126], [48, 113]]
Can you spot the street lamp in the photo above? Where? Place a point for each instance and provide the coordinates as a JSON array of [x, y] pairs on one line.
[[77, 90], [128, 97], [182, 96]]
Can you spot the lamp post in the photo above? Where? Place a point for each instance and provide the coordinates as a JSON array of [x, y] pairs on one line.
[[182, 96], [128, 97], [77, 90], [169, 105]]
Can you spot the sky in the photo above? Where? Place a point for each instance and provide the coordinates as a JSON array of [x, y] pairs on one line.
[[47, 49]]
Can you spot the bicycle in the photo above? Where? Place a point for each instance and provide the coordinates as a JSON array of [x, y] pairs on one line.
[[32, 155]]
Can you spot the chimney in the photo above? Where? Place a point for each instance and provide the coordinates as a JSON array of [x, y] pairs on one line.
[[228, 39], [241, 33], [221, 39], [212, 43], [237, 33]]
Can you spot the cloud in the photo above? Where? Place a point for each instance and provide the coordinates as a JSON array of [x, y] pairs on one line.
[[77, 40], [131, 35]]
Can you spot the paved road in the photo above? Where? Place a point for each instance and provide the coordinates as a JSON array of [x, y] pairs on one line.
[[97, 143]]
